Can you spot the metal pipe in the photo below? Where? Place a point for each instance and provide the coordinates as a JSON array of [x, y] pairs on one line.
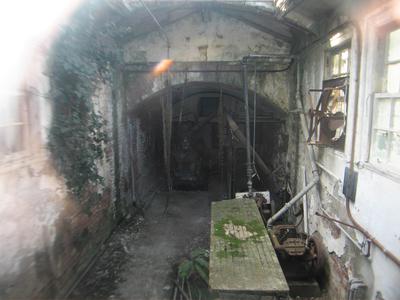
[[327, 171], [305, 208], [357, 67], [254, 117], [356, 74], [311, 155], [289, 204], [159, 26], [242, 139], [313, 160], [356, 243], [325, 216], [265, 56], [249, 169], [228, 64]]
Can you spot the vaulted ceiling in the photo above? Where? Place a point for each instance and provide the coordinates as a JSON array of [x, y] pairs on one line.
[[131, 20]]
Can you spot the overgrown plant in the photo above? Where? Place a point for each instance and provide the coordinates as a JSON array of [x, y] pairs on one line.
[[197, 263], [80, 62]]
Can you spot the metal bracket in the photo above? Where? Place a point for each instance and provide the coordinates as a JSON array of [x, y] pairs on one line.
[[366, 247]]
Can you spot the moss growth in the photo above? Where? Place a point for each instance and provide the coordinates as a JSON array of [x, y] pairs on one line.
[[81, 60], [234, 244]]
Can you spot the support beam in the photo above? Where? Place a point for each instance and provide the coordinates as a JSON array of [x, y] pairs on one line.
[[242, 139]]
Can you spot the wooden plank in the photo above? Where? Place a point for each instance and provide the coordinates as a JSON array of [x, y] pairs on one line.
[[242, 258]]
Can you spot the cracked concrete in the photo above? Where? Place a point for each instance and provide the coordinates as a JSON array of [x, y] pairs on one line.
[[140, 259]]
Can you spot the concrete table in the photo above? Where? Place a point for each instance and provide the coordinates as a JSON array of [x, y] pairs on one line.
[[242, 258]]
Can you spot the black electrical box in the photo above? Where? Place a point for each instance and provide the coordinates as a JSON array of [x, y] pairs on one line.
[[350, 184]]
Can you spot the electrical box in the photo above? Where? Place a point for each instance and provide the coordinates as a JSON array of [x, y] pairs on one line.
[[350, 184]]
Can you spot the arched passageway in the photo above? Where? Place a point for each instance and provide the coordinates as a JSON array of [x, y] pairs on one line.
[[204, 149]]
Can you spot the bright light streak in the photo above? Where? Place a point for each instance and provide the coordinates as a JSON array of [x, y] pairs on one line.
[[162, 66], [396, 11], [336, 39], [24, 26]]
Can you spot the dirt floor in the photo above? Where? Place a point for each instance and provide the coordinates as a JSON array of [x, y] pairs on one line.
[[140, 260]]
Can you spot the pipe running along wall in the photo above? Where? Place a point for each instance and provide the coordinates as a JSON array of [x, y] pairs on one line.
[[312, 160]]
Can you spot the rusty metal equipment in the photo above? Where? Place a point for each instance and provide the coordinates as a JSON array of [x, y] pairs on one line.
[[285, 238], [328, 119], [289, 244]]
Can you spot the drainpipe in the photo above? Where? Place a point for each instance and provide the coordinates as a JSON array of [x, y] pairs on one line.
[[311, 156], [249, 169], [378, 244], [356, 225]]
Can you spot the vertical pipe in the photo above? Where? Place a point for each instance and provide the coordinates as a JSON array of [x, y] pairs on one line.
[[254, 117], [246, 104], [305, 207]]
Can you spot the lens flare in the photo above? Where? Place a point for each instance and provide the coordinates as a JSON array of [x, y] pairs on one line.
[[162, 66], [396, 12]]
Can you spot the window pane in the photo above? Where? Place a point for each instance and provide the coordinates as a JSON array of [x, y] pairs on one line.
[[336, 62], [344, 64], [11, 129], [394, 45], [395, 150], [393, 78], [396, 115], [382, 113], [380, 145]]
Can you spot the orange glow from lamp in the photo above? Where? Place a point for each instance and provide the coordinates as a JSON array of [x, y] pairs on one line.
[[162, 67]]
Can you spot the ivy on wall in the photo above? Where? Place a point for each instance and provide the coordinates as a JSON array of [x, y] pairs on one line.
[[82, 58]]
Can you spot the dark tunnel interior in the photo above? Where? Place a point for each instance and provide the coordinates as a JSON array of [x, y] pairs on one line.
[[205, 150]]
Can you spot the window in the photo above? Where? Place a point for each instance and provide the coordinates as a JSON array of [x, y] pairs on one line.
[[385, 146], [338, 63], [13, 125], [393, 62]]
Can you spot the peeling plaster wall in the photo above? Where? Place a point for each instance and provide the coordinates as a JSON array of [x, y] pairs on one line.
[[208, 37], [376, 203], [199, 41], [48, 239], [204, 36]]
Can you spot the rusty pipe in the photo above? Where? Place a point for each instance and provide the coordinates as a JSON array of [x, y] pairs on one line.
[[289, 204], [249, 167], [374, 241], [242, 139]]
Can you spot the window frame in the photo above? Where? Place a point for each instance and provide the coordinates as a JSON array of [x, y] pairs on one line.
[[29, 121], [329, 63], [381, 93], [387, 63], [371, 83], [379, 97]]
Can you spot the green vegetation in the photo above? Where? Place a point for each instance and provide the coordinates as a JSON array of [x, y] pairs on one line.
[[234, 244], [196, 264], [81, 60]]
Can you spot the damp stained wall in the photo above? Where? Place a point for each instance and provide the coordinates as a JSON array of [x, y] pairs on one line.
[[200, 41], [48, 238], [207, 37], [376, 206]]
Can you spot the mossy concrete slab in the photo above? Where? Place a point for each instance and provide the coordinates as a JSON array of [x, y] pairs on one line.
[[242, 258]]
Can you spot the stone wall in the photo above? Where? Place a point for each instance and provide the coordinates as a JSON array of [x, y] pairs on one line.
[[50, 234]]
